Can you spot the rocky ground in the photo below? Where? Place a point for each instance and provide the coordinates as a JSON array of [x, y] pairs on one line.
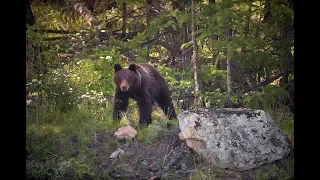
[[169, 158]]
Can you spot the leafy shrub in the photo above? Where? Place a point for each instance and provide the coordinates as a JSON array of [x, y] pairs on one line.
[[271, 97], [53, 168], [211, 79], [214, 99]]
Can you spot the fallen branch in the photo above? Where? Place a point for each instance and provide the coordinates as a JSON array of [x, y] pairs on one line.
[[56, 31], [55, 38]]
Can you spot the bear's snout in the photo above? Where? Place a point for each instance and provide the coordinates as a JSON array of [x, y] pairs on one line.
[[124, 88], [124, 85]]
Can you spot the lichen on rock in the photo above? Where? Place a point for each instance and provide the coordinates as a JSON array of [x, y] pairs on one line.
[[237, 139]]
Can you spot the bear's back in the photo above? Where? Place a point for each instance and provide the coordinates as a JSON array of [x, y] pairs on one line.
[[150, 70]]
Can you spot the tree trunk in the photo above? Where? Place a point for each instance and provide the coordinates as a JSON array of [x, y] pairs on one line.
[[29, 15], [267, 13], [194, 57], [184, 40], [124, 19], [254, 79], [228, 101], [90, 5], [228, 76], [213, 37], [286, 35]]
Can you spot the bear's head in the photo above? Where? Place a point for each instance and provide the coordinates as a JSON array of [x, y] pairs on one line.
[[127, 79]]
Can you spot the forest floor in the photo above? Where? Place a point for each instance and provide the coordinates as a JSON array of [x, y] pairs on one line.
[[78, 145], [169, 158]]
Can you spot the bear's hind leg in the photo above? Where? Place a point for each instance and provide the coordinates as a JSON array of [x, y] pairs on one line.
[[166, 105]]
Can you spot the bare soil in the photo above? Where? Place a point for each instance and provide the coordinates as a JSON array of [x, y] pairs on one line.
[[165, 158]]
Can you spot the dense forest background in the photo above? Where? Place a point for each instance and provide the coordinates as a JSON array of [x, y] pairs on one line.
[[215, 53]]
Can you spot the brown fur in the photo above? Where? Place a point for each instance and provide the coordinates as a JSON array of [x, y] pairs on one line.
[[144, 84]]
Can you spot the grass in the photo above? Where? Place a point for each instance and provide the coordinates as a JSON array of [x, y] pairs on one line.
[[284, 120], [58, 142]]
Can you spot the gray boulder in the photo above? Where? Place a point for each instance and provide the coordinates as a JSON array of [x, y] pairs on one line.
[[237, 139]]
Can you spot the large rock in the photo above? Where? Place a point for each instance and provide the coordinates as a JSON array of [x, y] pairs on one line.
[[237, 139]]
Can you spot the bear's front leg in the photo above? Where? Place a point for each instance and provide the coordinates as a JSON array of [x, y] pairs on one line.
[[120, 104], [145, 109]]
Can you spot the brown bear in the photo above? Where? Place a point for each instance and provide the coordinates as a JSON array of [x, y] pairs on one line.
[[144, 84]]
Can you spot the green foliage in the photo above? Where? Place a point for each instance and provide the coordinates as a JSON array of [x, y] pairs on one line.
[[200, 174], [67, 97], [287, 126], [54, 137], [54, 168], [215, 98], [284, 120], [211, 81], [142, 55], [55, 17], [155, 131], [210, 78], [271, 97], [171, 75], [272, 172]]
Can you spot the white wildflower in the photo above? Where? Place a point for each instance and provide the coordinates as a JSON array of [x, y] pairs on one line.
[[70, 89], [29, 101], [108, 57], [101, 57], [103, 30], [85, 96], [34, 80]]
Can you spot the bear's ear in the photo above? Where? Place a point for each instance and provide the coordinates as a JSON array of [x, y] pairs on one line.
[[117, 67], [133, 67]]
